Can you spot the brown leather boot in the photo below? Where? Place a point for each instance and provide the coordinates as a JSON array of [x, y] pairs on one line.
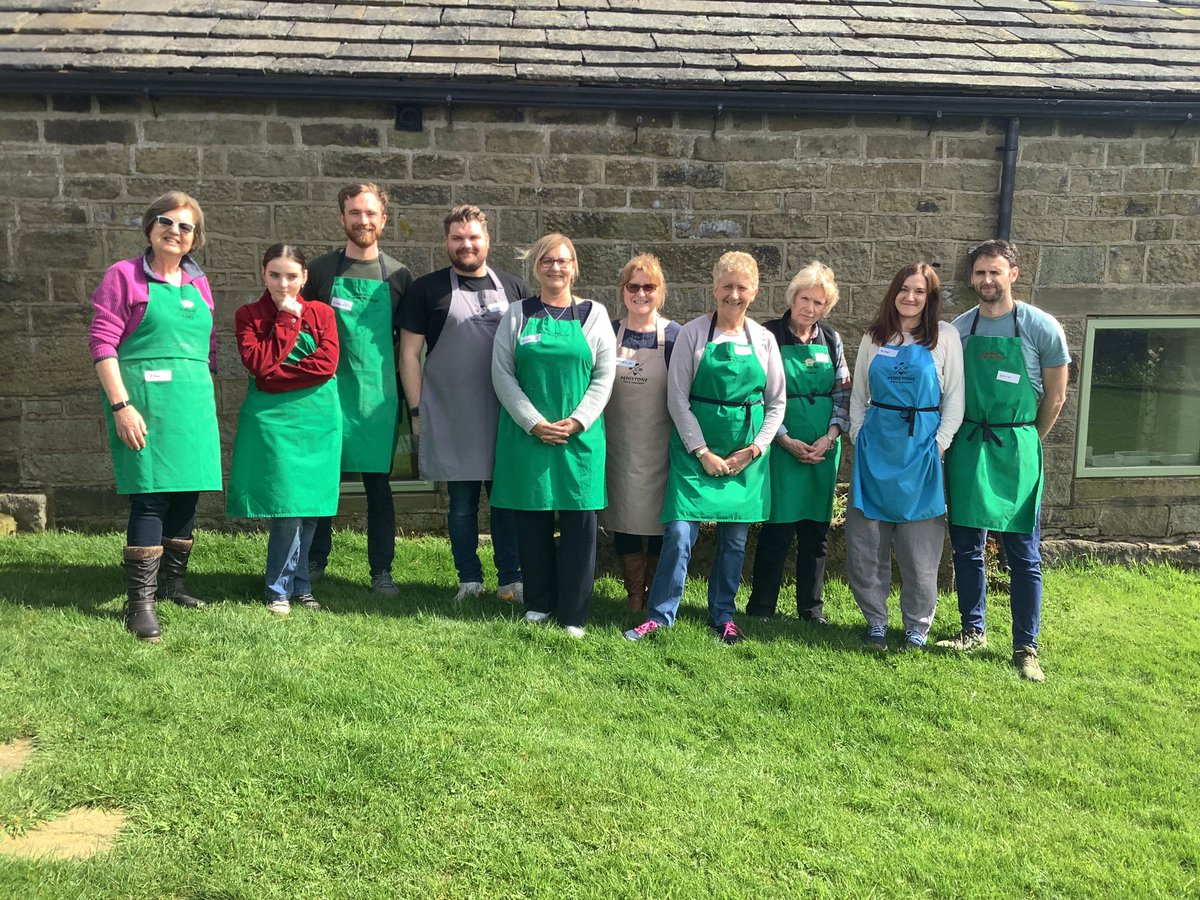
[[141, 577], [633, 570], [172, 582], [651, 568]]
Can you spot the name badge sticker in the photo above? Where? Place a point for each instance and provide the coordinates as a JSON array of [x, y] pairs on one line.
[[743, 350], [158, 375], [495, 308], [341, 303], [530, 339], [187, 304], [627, 363], [888, 351], [1009, 377], [820, 356]]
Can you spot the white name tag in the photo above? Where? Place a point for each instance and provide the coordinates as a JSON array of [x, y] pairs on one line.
[[495, 307], [820, 356], [187, 304], [341, 303], [627, 363], [888, 351], [1010, 377], [742, 350], [158, 375], [531, 339]]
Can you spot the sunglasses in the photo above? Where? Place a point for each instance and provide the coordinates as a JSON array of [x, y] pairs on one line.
[[168, 222], [646, 289]]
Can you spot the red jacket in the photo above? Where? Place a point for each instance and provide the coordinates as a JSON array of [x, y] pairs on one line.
[[266, 337]]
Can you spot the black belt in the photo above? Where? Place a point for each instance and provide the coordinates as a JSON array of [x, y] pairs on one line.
[[811, 398], [748, 404], [987, 428], [908, 413]]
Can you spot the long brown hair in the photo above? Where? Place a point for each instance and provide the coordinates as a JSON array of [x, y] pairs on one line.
[[887, 320]]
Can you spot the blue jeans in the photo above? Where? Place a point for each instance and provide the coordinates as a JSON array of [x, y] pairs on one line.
[[463, 525], [1025, 564], [678, 540], [287, 557]]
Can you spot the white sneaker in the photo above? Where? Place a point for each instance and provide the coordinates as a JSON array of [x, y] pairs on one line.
[[468, 589], [533, 616], [514, 592], [574, 631], [280, 607]]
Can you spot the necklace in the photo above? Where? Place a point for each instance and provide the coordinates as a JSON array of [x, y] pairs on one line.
[[561, 313]]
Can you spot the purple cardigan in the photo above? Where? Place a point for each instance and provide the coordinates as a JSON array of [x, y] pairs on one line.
[[119, 304]]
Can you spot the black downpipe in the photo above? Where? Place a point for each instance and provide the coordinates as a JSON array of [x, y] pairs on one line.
[[1008, 178]]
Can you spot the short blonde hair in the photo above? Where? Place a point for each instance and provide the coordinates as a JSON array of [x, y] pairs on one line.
[[736, 261], [815, 274], [649, 264], [544, 245]]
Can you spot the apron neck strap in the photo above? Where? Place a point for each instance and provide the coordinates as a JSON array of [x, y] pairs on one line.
[[712, 329], [342, 264], [1016, 321]]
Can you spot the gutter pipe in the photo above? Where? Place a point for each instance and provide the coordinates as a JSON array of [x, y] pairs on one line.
[[1008, 178]]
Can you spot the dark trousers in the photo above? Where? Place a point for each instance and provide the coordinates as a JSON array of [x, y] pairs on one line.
[[558, 576], [155, 516], [381, 526], [774, 541], [625, 544]]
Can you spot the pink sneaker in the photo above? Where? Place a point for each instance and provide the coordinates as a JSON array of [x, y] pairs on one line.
[[728, 633], [648, 627]]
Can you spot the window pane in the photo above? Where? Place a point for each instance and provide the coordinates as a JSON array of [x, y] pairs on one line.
[[1145, 398]]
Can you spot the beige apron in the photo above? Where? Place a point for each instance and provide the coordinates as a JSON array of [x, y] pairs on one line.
[[639, 435]]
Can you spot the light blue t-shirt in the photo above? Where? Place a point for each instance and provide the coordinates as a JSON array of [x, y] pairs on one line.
[[1042, 339]]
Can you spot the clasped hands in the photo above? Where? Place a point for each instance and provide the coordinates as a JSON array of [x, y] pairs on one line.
[[733, 464], [810, 454], [556, 432]]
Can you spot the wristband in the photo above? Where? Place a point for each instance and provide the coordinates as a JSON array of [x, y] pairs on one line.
[[121, 405], [414, 412]]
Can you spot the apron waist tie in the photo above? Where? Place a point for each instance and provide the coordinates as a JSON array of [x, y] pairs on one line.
[[907, 413], [810, 397], [987, 428], [746, 404]]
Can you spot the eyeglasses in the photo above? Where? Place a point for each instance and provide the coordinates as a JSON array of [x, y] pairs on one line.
[[646, 289], [168, 222], [564, 263]]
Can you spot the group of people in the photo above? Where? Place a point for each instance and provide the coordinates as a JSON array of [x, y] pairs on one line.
[[569, 420]]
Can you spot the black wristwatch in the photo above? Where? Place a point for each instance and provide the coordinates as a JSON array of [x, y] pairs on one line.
[[121, 405], [414, 412]]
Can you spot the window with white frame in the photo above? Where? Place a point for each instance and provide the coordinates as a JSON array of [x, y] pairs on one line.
[[1139, 409]]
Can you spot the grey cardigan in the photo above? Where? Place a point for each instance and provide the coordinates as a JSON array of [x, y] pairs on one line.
[[597, 330], [689, 349]]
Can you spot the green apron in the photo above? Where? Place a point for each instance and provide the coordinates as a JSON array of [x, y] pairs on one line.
[[994, 465], [287, 450], [366, 382], [802, 491], [554, 368], [164, 365], [727, 401]]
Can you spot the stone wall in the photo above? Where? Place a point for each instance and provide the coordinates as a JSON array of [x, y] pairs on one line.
[[1107, 216]]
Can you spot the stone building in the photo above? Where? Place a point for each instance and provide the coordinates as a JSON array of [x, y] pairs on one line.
[[866, 135]]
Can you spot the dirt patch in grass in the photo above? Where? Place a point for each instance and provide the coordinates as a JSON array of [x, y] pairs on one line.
[[79, 834], [14, 753]]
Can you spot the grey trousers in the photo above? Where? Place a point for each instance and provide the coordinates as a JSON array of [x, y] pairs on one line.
[[918, 548]]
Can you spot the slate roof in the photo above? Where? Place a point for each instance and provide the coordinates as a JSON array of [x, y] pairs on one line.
[[1046, 48]]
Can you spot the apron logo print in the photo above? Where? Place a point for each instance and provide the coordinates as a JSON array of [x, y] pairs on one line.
[[900, 374], [997, 357]]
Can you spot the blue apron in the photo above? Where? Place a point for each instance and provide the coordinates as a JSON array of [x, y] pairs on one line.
[[897, 468]]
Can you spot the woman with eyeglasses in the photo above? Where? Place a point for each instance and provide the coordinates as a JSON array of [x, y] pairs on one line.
[[638, 426], [153, 341], [552, 368]]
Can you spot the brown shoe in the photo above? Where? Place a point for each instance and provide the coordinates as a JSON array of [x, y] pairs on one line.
[[633, 571], [1026, 661]]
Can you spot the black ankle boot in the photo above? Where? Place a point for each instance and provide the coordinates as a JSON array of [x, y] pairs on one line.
[[141, 578], [172, 581]]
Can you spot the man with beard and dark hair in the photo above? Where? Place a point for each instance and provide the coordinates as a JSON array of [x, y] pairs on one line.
[[365, 287], [452, 314], [1015, 371]]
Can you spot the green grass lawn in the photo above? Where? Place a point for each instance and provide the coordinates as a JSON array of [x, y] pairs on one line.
[[415, 748]]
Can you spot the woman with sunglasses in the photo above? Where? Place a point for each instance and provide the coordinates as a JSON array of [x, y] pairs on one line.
[[153, 341], [552, 367], [638, 426]]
